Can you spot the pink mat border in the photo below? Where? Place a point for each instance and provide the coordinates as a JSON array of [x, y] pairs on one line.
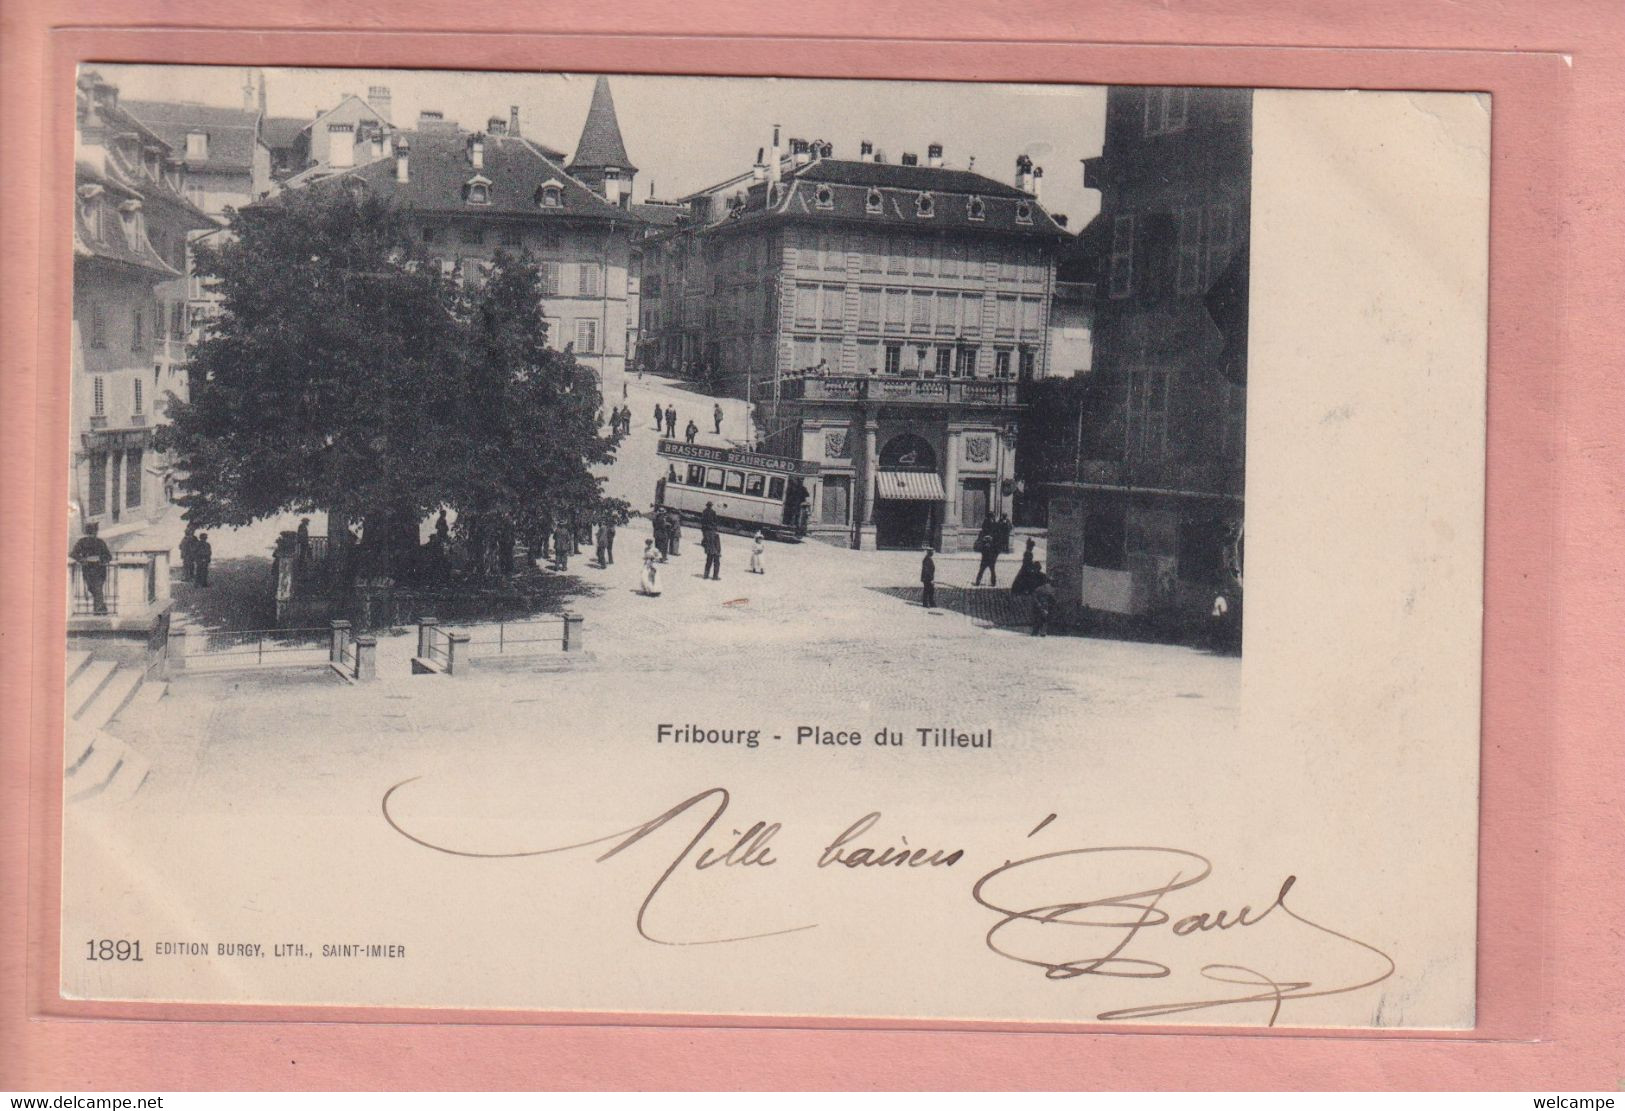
[[1551, 971]]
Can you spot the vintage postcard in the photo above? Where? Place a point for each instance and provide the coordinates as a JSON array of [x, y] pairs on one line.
[[728, 547]]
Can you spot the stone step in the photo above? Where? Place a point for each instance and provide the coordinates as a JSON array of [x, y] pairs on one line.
[[83, 687], [78, 660], [111, 771], [110, 698]]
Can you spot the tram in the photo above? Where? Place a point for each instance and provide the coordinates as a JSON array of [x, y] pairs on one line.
[[748, 491]]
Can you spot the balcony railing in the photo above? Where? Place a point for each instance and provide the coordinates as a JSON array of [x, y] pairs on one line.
[[890, 388], [135, 581]]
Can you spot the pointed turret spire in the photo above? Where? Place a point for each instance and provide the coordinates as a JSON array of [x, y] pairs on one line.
[[601, 160]]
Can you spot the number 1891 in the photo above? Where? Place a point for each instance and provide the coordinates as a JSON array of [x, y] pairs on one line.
[[109, 950]]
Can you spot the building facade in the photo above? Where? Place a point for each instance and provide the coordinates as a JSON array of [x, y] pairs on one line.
[[132, 221], [469, 194], [1147, 525], [877, 316]]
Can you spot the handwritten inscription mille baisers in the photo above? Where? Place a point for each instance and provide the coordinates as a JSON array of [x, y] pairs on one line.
[[1070, 913], [821, 736]]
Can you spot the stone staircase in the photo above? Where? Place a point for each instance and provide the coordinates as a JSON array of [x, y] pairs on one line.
[[98, 764]]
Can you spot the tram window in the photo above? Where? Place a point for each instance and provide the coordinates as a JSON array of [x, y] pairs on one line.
[[736, 482], [696, 475], [775, 489], [754, 484], [713, 478]]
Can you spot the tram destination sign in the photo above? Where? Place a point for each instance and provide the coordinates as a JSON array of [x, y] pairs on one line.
[[737, 458]]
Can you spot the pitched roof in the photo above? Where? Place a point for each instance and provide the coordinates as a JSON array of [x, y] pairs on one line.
[[960, 200], [279, 132], [108, 240], [938, 179], [663, 214], [439, 167], [601, 143], [232, 132]]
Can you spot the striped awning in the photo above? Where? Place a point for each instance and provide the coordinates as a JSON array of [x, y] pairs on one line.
[[908, 485]]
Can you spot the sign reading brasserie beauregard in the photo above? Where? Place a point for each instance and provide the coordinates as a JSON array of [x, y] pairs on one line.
[[736, 458]]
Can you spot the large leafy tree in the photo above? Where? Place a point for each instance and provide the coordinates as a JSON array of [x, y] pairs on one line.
[[342, 375]]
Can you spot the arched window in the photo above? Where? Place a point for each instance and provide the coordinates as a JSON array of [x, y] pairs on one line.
[[978, 208], [908, 452], [1024, 212], [549, 196], [874, 203], [826, 197], [477, 190], [925, 206]]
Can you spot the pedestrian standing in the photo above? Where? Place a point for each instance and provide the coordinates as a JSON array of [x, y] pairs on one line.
[[716, 415], [671, 422], [674, 531], [987, 543], [757, 547], [602, 547], [303, 539], [711, 542], [659, 416], [204, 555], [609, 544], [691, 431], [442, 529], [662, 537], [1002, 533], [92, 555], [708, 517], [623, 385], [562, 544], [649, 583], [189, 554], [1043, 603], [928, 581]]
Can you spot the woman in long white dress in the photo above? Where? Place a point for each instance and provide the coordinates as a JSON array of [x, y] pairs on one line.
[[649, 584]]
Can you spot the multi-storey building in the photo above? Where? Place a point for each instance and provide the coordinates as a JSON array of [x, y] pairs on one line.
[[879, 316], [131, 223], [468, 194], [1147, 524]]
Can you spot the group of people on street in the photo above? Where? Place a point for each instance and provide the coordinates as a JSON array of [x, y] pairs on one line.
[[620, 420], [667, 542], [666, 420], [1030, 581], [197, 554]]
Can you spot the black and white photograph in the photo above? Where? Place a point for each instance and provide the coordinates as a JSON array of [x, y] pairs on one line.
[[729, 546]]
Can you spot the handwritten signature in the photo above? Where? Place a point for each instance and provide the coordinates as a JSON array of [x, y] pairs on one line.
[[1028, 922]]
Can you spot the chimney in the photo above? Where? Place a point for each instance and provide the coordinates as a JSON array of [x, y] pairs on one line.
[[403, 149], [513, 120], [773, 165], [758, 172], [378, 100], [910, 160], [933, 154], [476, 150], [1037, 182], [612, 185], [496, 125], [866, 151], [1023, 164], [260, 75], [378, 146], [798, 152]]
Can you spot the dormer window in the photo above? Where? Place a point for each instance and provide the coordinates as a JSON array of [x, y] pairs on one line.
[[131, 213], [197, 145], [550, 195], [477, 190], [874, 203], [1024, 212], [825, 197], [978, 208], [925, 206]]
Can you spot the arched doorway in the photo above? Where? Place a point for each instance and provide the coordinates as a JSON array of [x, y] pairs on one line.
[[908, 493]]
